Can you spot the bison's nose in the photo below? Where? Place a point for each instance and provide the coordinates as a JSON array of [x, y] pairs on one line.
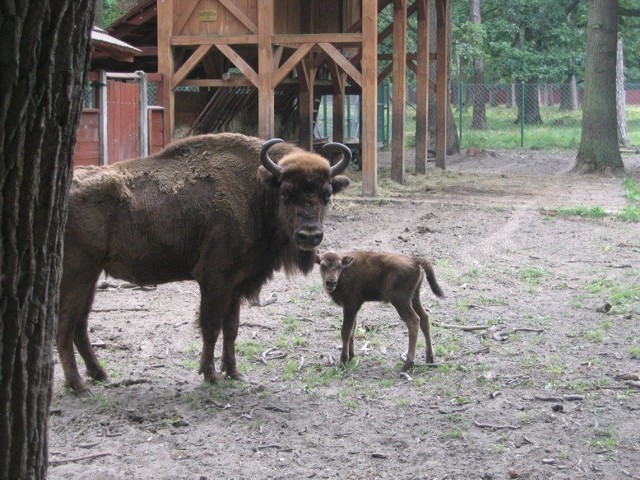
[[309, 238]]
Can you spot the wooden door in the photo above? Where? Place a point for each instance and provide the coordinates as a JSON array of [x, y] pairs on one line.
[[123, 120]]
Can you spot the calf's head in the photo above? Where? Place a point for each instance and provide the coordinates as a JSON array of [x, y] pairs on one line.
[[305, 182], [331, 266]]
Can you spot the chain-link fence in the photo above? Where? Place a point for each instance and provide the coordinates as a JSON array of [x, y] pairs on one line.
[[542, 116]]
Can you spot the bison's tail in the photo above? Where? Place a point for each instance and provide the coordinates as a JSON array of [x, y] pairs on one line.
[[431, 277]]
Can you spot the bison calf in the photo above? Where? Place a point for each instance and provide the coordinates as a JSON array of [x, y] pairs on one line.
[[354, 278]]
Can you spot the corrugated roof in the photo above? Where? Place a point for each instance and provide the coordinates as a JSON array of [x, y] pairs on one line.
[[100, 39]]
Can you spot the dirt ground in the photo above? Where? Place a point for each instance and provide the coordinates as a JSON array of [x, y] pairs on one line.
[[546, 386]]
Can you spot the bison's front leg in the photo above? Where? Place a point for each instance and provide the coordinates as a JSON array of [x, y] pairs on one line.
[[348, 333], [229, 335]]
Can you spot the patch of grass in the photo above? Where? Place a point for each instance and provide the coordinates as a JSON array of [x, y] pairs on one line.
[[455, 433], [587, 212], [619, 296], [290, 370], [530, 361], [105, 402], [634, 351], [190, 364], [532, 275], [630, 213], [594, 335], [291, 324], [604, 439], [249, 348], [631, 189]]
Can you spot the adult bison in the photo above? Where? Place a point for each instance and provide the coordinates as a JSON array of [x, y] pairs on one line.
[[224, 210]]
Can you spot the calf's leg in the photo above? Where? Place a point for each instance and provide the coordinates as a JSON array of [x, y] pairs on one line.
[[424, 324], [348, 333], [406, 312]]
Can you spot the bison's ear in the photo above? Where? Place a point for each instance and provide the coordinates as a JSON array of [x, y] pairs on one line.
[[339, 183], [346, 261], [267, 177]]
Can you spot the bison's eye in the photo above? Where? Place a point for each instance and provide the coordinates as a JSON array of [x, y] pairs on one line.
[[286, 194], [326, 195]]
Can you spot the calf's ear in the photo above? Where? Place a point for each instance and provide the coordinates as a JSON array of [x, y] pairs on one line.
[[268, 178], [339, 183], [346, 261], [317, 258]]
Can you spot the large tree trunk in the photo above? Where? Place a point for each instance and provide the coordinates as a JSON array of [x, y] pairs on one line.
[[621, 104], [43, 57], [598, 149], [569, 95], [479, 117]]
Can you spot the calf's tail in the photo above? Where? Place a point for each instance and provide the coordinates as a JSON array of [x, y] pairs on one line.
[[431, 277]]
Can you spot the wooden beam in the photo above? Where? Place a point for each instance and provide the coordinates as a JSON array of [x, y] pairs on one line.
[[422, 86], [277, 56], [239, 14], [442, 76], [189, 65], [414, 68], [386, 71], [342, 61], [264, 81], [290, 63], [239, 62], [166, 65], [231, 82], [298, 39], [368, 127], [196, 40], [399, 90]]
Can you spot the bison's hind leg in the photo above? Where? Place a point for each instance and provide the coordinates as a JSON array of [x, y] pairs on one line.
[[229, 334], [424, 324], [76, 298]]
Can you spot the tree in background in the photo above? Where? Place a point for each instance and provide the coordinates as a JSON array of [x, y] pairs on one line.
[[598, 151], [479, 117], [44, 56]]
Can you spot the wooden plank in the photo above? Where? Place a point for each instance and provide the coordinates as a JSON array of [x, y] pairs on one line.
[[195, 58], [290, 63], [441, 82], [422, 86], [166, 65], [306, 77], [338, 77], [239, 14], [193, 40], [186, 15], [368, 135], [386, 71], [239, 62], [342, 61], [232, 82], [264, 80], [298, 39], [104, 126], [399, 90]]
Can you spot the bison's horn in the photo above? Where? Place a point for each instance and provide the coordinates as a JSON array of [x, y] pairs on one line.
[[267, 163], [346, 156]]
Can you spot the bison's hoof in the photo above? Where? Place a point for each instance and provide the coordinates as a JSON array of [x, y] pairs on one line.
[[98, 374], [236, 375], [78, 386], [430, 359], [407, 366]]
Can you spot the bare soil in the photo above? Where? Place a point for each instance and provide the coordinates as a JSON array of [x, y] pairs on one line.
[[546, 387]]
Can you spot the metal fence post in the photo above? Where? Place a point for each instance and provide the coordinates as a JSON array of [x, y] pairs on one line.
[[460, 108], [522, 116]]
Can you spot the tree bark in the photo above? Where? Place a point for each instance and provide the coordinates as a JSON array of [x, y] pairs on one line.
[[479, 117], [621, 104], [531, 103], [43, 61], [598, 151]]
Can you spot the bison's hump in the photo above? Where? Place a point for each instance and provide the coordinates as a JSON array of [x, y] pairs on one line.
[[98, 183]]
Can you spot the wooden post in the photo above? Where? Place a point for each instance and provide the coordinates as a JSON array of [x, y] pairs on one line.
[[399, 89], [306, 76], [265, 70], [422, 87], [166, 64], [103, 106], [368, 135], [442, 89], [339, 79]]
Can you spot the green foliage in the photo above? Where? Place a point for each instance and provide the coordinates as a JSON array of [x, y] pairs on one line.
[[589, 212]]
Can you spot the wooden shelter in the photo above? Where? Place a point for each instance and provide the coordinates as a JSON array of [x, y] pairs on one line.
[[262, 47]]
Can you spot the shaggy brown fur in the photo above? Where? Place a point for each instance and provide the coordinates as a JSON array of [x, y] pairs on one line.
[[203, 209], [353, 278]]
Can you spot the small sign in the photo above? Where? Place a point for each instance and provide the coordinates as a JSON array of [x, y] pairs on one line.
[[208, 15]]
